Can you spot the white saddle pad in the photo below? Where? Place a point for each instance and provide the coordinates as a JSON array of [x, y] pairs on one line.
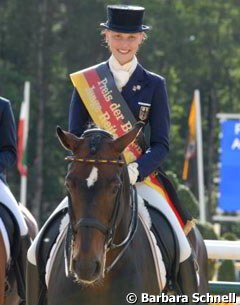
[[156, 252], [55, 247], [7, 199]]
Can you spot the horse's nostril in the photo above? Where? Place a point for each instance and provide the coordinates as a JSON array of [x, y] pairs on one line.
[[98, 267], [87, 269]]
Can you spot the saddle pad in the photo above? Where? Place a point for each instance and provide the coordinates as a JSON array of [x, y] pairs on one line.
[[8, 200], [32, 251], [55, 247], [157, 255]]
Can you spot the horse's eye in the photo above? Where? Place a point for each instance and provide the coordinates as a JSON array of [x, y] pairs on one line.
[[116, 188], [67, 184]]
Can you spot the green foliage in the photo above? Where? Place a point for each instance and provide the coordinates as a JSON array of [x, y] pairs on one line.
[[173, 178], [226, 271], [188, 200], [207, 231], [229, 236], [185, 195], [233, 227]]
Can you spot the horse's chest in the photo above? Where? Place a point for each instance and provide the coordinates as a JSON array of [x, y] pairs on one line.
[[126, 277]]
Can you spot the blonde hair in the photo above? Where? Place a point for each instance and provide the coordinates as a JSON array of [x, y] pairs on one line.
[[103, 33]]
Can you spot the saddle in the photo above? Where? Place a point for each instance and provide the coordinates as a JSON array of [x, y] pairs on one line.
[[15, 269], [168, 244], [46, 241]]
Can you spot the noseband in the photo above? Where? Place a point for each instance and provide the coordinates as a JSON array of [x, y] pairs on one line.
[[109, 232]]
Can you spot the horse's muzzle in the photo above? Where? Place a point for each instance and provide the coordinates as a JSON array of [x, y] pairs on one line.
[[87, 271]]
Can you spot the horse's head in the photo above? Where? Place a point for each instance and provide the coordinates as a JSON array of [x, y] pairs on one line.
[[98, 187]]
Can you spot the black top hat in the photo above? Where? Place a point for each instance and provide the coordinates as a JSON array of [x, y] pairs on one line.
[[125, 19]]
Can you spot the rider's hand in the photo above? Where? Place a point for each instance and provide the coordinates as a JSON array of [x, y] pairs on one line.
[[133, 172]]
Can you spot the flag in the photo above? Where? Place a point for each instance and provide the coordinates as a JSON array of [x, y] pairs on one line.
[[191, 148], [23, 126], [193, 162]]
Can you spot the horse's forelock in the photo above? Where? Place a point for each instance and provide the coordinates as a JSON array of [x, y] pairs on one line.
[[96, 136], [95, 143]]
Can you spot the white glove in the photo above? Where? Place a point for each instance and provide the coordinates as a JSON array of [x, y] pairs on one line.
[[133, 172]]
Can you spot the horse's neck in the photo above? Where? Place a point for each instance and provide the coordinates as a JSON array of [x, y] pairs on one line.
[[126, 214], [126, 205]]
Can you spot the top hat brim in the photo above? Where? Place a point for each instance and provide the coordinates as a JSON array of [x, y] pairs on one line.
[[124, 29]]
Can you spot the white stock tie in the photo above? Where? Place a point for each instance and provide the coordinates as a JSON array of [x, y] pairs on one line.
[[122, 73]]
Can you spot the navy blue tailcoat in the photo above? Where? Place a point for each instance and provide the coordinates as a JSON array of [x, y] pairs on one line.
[[8, 151], [143, 87]]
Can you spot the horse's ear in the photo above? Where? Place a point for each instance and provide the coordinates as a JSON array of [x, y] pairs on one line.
[[122, 142], [68, 140]]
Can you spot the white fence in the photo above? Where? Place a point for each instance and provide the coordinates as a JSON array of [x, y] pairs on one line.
[[223, 249]]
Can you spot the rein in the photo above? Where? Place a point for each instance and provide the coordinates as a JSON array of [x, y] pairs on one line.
[[108, 231], [132, 230]]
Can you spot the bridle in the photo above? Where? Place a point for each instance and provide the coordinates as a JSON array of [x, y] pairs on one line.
[[108, 231], [95, 161]]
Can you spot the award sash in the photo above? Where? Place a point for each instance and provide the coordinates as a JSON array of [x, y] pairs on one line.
[[109, 111]]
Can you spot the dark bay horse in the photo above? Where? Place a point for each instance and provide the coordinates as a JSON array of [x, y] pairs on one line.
[[8, 283], [105, 254]]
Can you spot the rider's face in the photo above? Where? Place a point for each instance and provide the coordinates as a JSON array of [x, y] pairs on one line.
[[124, 45]]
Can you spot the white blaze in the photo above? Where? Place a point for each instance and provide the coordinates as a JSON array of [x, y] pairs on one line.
[[92, 177]]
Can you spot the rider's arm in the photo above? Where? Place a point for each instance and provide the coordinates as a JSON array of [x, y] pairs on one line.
[[159, 121], [78, 115], [8, 151]]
